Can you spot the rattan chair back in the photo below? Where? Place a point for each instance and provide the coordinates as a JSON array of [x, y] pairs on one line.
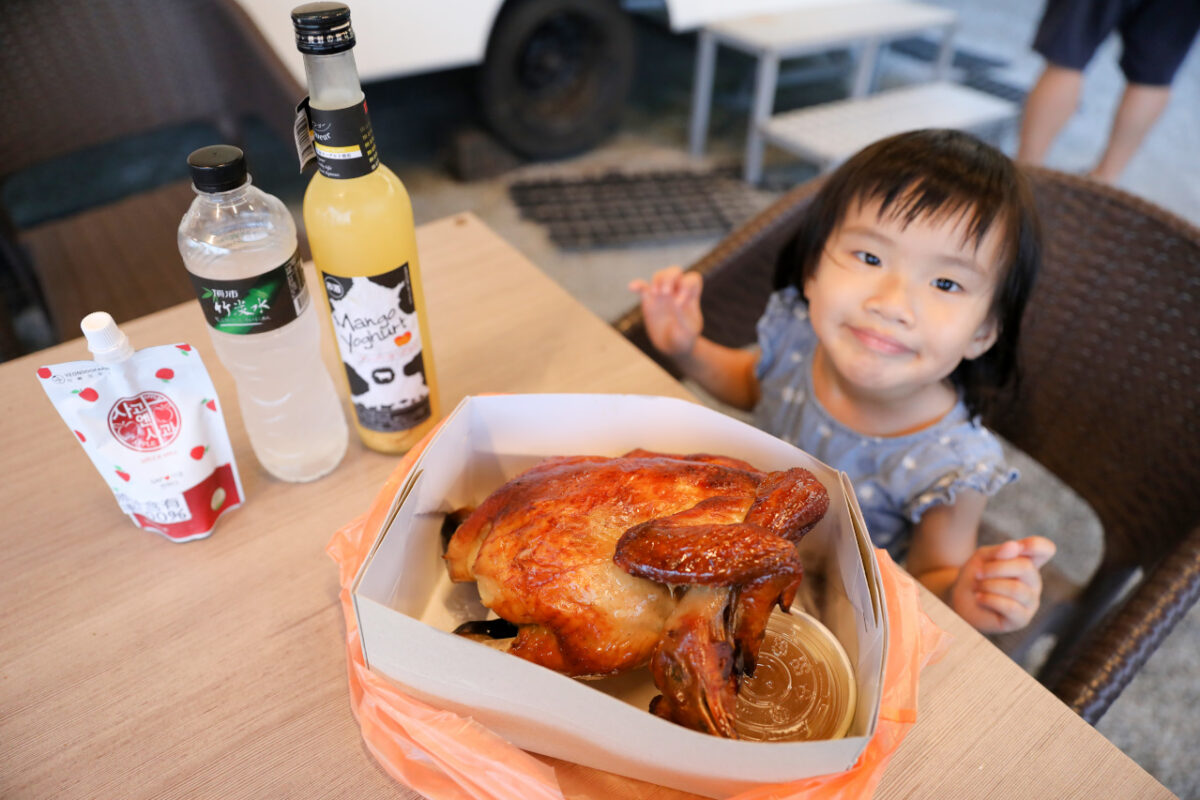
[[1110, 364], [78, 74]]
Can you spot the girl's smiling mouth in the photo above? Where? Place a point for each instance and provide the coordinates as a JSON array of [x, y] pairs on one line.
[[880, 343]]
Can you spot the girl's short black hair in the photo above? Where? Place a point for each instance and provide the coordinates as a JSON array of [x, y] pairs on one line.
[[931, 173]]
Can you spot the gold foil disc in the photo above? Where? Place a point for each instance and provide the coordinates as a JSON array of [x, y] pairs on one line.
[[803, 687]]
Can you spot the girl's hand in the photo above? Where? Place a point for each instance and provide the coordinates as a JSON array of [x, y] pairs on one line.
[[671, 308], [999, 588]]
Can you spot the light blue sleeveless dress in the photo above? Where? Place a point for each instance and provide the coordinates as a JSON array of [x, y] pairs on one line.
[[896, 478]]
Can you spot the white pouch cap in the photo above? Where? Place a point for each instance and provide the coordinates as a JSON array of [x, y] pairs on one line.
[[106, 341]]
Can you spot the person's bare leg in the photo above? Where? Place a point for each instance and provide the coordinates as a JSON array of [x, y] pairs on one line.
[[1140, 108], [1051, 102]]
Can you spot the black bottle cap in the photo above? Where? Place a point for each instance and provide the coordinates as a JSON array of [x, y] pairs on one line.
[[323, 28], [217, 168]]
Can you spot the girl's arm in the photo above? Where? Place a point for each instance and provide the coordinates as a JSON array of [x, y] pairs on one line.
[[996, 588], [725, 372], [671, 309]]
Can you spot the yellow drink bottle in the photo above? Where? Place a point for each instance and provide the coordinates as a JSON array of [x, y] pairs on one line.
[[359, 222]]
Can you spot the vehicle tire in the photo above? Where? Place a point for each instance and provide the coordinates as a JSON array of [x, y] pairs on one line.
[[556, 74]]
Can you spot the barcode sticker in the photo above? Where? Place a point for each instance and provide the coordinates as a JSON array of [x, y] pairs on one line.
[[304, 139], [166, 511]]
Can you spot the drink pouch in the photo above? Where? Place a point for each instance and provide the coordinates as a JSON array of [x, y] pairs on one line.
[[152, 425]]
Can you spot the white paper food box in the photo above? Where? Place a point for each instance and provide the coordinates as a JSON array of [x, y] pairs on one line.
[[407, 606]]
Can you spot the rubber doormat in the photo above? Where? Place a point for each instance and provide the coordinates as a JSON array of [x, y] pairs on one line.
[[985, 83], [616, 209]]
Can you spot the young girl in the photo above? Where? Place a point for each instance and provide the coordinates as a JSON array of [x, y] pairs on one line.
[[897, 308]]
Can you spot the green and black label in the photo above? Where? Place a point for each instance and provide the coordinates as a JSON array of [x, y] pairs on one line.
[[254, 305], [343, 141]]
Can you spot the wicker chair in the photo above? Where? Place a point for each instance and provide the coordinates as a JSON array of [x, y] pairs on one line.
[[78, 74], [1110, 403]]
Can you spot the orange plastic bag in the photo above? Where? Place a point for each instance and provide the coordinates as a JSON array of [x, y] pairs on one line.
[[448, 757]]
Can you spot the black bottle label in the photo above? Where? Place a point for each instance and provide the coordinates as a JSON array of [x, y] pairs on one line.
[[343, 141], [376, 327], [254, 305]]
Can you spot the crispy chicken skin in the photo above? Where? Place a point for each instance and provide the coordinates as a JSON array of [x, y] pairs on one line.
[[608, 564]]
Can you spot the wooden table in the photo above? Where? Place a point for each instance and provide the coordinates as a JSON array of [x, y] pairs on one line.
[[135, 667]]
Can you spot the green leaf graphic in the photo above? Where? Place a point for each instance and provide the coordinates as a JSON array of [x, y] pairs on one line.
[[249, 314]]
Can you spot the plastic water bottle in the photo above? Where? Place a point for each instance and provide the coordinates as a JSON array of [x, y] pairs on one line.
[[239, 246]]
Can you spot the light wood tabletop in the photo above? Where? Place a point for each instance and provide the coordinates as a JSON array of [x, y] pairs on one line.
[[135, 667]]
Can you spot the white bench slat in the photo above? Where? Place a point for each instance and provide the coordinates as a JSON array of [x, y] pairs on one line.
[[832, 132], [811, 28]]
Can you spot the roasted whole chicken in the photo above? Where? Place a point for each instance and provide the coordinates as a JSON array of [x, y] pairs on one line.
[[676, 561]]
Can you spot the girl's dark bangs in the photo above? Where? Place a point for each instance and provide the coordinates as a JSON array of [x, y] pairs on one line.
[[917, 197]]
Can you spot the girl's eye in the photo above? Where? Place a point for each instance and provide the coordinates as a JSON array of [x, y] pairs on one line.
[[947, 285], [867, 258]]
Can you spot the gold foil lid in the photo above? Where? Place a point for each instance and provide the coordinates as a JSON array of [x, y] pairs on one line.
[[803, 687]]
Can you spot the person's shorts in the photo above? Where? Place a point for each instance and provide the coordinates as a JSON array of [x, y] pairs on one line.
[[1156, 34]]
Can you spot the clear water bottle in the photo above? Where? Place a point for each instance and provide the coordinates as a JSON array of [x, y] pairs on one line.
[[239, 246]]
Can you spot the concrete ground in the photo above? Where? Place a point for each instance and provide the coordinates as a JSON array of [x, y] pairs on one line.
[[1154, 721]]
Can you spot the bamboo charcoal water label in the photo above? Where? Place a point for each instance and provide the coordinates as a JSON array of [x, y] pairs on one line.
[[343, 140], [375, 324], [254, 305]]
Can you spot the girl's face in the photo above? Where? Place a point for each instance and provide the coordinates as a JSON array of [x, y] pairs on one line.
[[897, 307]]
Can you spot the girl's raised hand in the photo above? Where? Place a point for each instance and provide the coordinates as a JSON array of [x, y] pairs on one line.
[[671, 308], [999, 588]]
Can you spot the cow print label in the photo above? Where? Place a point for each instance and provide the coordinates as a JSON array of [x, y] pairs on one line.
[[375, 324]]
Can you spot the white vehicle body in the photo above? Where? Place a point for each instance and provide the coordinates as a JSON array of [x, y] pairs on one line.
[[407, 37]]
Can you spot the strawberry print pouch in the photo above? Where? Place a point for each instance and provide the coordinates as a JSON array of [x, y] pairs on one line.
[[152, 425]]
